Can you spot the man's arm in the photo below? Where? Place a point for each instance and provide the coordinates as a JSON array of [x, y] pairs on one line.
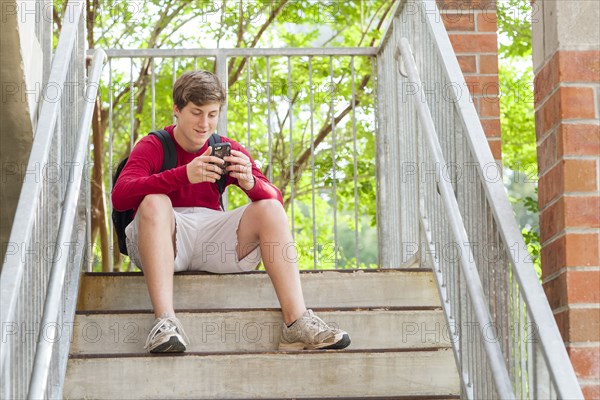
[[248, 177], [141, 175]]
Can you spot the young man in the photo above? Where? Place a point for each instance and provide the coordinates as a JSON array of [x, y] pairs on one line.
[[177, 217]]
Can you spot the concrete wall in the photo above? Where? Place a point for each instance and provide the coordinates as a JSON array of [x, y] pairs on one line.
[[564, 25], [566, 57], [21, 77]]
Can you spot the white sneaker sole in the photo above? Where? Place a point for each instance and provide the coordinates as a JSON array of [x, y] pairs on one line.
[[342, 340], [171, 344]]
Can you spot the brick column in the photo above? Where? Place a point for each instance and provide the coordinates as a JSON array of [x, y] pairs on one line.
[[472, 27], [567, 93]]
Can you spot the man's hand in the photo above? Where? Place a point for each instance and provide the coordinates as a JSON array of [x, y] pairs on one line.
[[205, 168], [240, 168]]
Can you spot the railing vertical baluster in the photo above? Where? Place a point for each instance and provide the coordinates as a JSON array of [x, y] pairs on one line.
[[375, 80], [470, 350], [493, 297], [174, 78], [530, 364], [513, 328], [519, 341], [110, 157], [269, 129], [248, 80], [291, 138], [131, 103], [333, 166], [477, 253], [312, 161], [221, 68], [354, 157], [524, 355], [503, 277], [153, 83], [89, 251], [221, 72]]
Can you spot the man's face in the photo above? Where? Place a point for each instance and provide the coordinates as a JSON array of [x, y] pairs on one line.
[[195, 124]]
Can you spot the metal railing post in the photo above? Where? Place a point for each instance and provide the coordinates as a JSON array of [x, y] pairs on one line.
[[474, 286], [43, 354], [510, 290]]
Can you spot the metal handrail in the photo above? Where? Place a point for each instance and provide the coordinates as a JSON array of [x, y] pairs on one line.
[[473, 282], [240, 52], [12, 271], [23, 282], [536, 360], [43, 355], [552, 344]]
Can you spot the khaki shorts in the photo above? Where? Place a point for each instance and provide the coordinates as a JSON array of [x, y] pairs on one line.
[[205, 240]]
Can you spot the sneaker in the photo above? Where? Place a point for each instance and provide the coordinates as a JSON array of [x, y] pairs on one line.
[[309, 332], [167, 336]]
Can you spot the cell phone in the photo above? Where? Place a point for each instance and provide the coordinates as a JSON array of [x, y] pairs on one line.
[[221, 150]]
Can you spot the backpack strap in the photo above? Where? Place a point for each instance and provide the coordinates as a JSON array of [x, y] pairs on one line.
[[212, 140], [168, 145]]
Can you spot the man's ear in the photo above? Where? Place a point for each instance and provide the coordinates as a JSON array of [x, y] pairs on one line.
[[176, 110]]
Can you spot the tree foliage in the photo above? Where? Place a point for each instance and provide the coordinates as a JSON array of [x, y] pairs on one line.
[[280, 106], [517, 118], [519, 153], [514, 23]]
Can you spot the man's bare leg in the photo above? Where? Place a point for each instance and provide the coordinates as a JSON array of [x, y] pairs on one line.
[[156, 246], [266, 222]]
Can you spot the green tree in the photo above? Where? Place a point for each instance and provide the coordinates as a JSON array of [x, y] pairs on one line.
[[243, 24], [514, 26], [517, 117]]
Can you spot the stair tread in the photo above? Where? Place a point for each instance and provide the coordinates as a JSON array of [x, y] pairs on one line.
[[262, 272], [413, 397], [266, 309], [329, 373], [362, 288], [247, 330], [301, 353]]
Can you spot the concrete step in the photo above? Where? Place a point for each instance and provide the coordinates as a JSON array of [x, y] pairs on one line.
[[259, 330], [425, 372], [322, 289]]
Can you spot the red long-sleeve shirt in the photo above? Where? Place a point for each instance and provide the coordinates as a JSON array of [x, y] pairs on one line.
[[141, 176]]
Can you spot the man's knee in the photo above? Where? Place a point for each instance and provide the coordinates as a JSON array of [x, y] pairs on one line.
[[268, 205], [155, 206], [268, 212]]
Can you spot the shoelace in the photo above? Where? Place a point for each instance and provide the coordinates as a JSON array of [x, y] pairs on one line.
[[319, 324], [168, 324]]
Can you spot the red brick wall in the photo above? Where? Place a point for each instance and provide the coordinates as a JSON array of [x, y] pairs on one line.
[[568, 141], [472, 27]]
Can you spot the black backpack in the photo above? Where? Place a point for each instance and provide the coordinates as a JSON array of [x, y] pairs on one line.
[[123, 218]]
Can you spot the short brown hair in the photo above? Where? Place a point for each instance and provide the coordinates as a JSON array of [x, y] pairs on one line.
[[199, 87]]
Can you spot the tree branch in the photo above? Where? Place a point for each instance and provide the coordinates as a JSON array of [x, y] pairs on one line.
[[142, 79], [366, 31], [382, 20], [221, 23], [90, 20], [325, 130], [240, 32], [233, 78], [107, 30]]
